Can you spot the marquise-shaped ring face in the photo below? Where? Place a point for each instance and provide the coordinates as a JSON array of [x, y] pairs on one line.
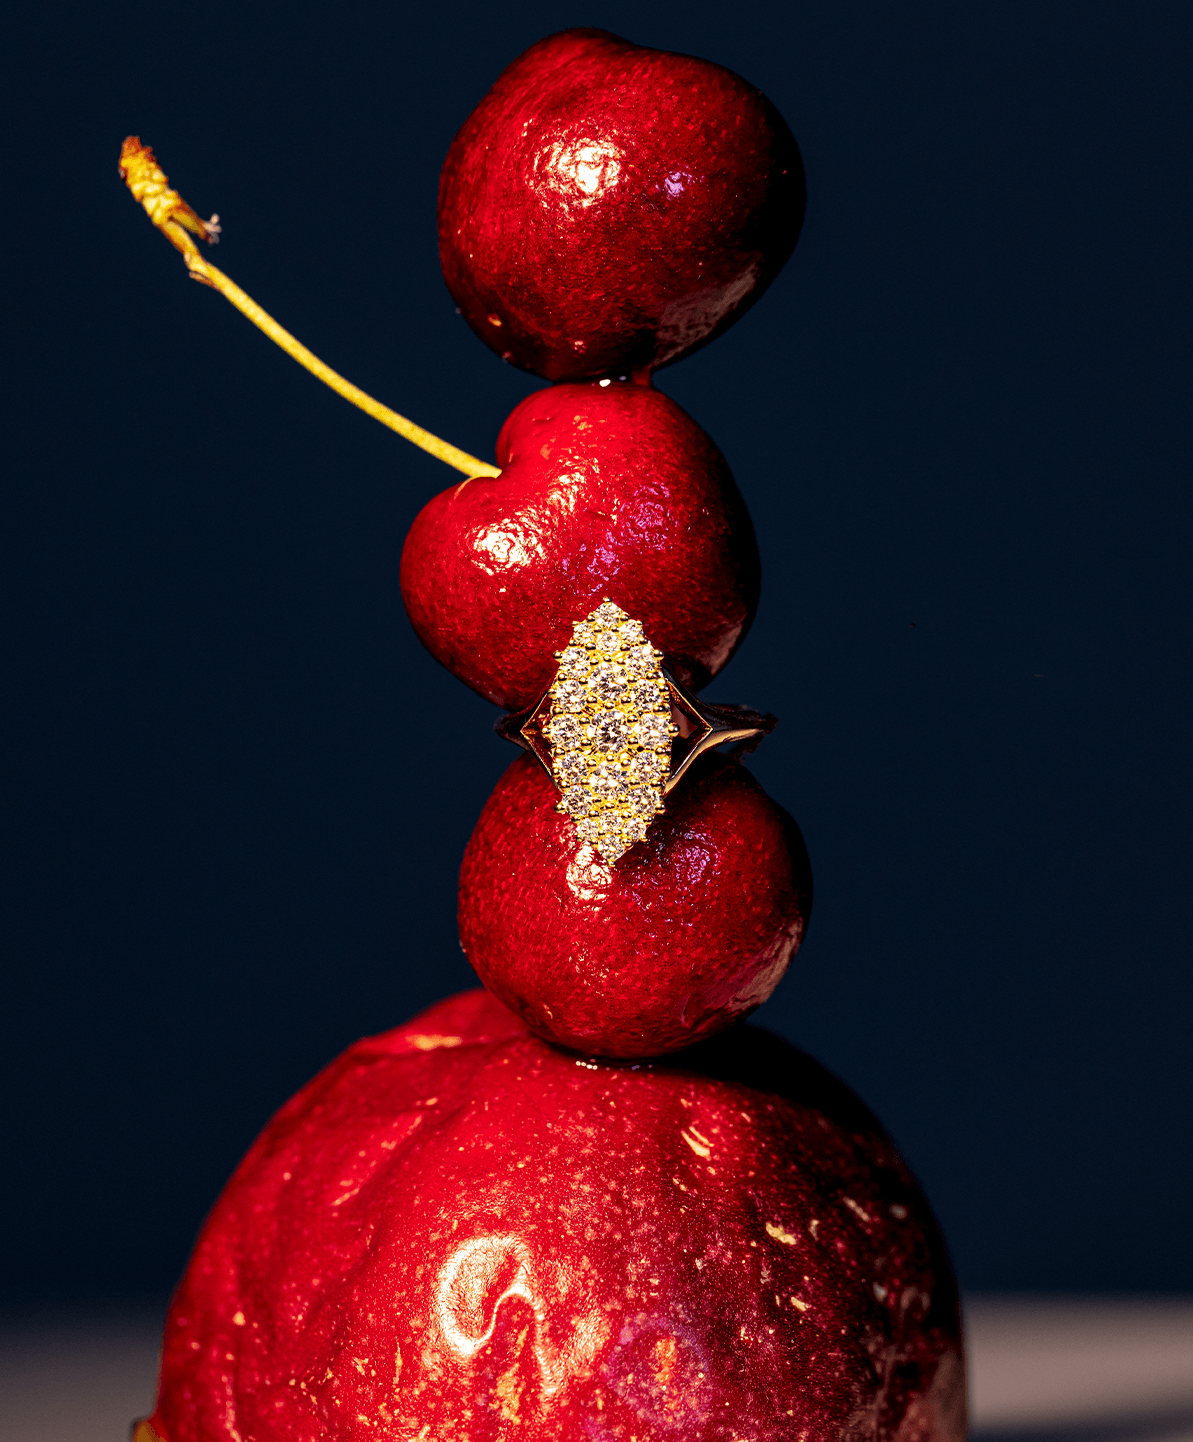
[[616, 732], [608, 727]]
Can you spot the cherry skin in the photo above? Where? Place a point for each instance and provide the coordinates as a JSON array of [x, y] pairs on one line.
[[688, 931], [608, 206], [457, 1231], [605, 490]]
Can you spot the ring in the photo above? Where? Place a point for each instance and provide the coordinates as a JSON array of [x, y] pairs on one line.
[[616, 732]]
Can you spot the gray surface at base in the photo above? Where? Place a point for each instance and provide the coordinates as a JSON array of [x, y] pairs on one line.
[[1081, 1369], [1041, 1370], [76, 1376]]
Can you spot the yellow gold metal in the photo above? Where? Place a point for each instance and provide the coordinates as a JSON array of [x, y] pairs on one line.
[[179, 224], [708, 727]]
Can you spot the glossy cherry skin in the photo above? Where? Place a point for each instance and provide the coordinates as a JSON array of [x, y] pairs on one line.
[[604, 491], [458, 1232], [687, 932], [608, 207]]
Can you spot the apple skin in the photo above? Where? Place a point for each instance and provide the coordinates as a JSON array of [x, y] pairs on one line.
[[687, 932], [608, 207], [604, 491], [457, 1231]]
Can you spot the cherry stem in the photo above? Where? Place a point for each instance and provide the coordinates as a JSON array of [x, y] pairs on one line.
[[179, 224]]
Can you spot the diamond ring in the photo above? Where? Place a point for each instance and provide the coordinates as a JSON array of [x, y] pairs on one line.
[[616, 732]]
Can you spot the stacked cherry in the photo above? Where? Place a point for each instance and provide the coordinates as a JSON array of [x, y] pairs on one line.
[[458, 1233], [604, 211]]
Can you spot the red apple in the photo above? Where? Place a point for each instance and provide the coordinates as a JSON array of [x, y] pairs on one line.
[[605, 490], [688, 931], [607, 206], [458, 1232]]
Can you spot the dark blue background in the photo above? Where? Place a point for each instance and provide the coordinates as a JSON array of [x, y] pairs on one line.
[[960, 419]]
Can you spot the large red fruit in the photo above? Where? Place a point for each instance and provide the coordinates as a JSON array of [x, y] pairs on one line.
[[456, 1232], [605, 490], [607, 207], [690, 930]]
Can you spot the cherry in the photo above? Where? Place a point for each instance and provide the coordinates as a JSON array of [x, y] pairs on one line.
[[689, 930], [457, 1231], [607, 206], [606, 489]]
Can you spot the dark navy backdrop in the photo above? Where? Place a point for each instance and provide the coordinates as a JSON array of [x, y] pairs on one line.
[[960, 420]]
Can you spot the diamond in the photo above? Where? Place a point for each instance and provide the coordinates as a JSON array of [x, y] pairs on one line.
[[578, 801], [608, 731], [611, 847], [608, 681], [641, 661], [630, 632], [608, 781], [574, 662], [570, 695], [635, 830], [653, 730], [647, 696], [608, 614], [583, 634], [571, 766], [565, 731], [608, 642], [646, 766], [643, 801], [589, 828]]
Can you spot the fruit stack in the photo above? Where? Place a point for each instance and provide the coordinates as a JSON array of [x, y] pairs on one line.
[[582, 1206]]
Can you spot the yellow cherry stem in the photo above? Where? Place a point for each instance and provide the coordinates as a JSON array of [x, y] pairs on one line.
[[180, 224]]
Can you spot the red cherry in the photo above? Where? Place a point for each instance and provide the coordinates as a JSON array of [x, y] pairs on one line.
[[688, 931], [456, 1231], [608, 206], [605, 490]]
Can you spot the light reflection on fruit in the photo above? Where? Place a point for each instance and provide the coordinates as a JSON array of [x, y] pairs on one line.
[[591, 167]]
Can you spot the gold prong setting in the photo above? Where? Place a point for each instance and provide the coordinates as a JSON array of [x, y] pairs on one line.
[[609, 730]]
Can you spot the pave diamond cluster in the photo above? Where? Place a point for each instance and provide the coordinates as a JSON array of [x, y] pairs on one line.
[[610, 730]]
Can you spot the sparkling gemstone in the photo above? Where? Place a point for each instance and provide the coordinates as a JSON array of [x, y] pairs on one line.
[[643, 801], [571, 766], [574, 662], [608, 781], [578, 800], [570, 695], [646, 766], [608, 681], [565, 732], [646, 696], [608, 731], [652, 730], [608, 699]]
